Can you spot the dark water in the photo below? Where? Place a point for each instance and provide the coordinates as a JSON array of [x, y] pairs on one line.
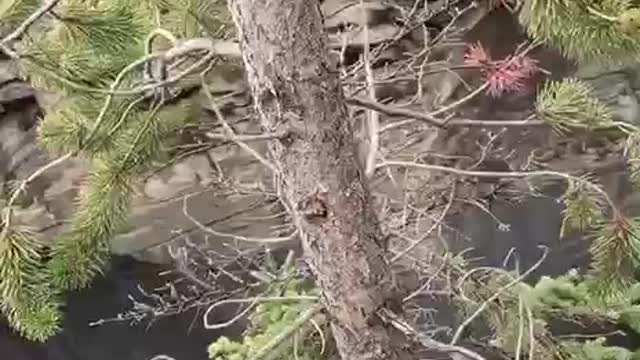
[[533, 223], [174, 336]]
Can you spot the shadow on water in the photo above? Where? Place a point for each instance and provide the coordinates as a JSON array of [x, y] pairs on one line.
[[533, 222], [175, 336]]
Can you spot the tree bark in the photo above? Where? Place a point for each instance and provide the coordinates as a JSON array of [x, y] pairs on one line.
[[297, 91]]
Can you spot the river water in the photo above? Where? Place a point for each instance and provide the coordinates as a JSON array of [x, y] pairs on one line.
[[174, 336]]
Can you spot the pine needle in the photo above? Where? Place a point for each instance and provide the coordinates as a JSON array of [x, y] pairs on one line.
[[28, 302], [575, 28], [74, 61], [111, 28], [615, 252], [103, 208], [632, 152], [570, 104], [13, 12], [584, 208], [63, 128]]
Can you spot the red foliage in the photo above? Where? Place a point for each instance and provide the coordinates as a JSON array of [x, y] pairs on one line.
[[506, 75]]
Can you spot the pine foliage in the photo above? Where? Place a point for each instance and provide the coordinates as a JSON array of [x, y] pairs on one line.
[[570, 104], [13, 12], [600, 31], [632, 150], [85, 50], [582, 207], [270, 319], [615, 250], [28, 301]]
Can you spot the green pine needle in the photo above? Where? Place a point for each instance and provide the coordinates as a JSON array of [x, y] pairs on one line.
[[570, 104], [26, 299], [74, 62], [36, 318], [86, 46], [13, 12], [575, 28], [145, 136], [67, 126], [110, 28], [584, 208], [19, 262], [63, 128], [615, 252], [596, 349], [89, 47], [633, 156], [103, 208]]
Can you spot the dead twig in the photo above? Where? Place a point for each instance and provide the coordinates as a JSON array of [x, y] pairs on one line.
[[429, 343], [22, 28], [396, 111], [230, 133], [253, 301], [206, 229], [373, 117], [431, 229], [504, 174], [497, 294], [244, 138]]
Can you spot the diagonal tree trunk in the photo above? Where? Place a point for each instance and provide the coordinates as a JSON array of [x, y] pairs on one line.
[[297, 91]]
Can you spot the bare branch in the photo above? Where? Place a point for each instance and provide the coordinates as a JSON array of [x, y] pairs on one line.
[[253, 301], [431, 229], [14, 35], [429, 343], [396, 111], [259, 137], [206, 229], [6, 221], [497, 294], [373, 123], [504, 174]]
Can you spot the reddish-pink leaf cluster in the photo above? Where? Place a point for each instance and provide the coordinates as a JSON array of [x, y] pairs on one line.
[[506, 75]]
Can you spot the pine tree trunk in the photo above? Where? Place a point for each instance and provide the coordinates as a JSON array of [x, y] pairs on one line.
[[297, 91]]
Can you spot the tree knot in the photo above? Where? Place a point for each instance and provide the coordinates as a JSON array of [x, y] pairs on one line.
[[314, 208]]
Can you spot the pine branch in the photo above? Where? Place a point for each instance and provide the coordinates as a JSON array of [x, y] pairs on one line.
[[104, 206], [583, 207], [18, 8], [111, 28], [587, 31], [27, 300], [615, 251], [632, 153], [95, 48], [89, 46], [570, 104], [82, 254]]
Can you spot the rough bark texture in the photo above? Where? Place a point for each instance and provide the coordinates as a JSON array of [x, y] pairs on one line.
[[296, 91]]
